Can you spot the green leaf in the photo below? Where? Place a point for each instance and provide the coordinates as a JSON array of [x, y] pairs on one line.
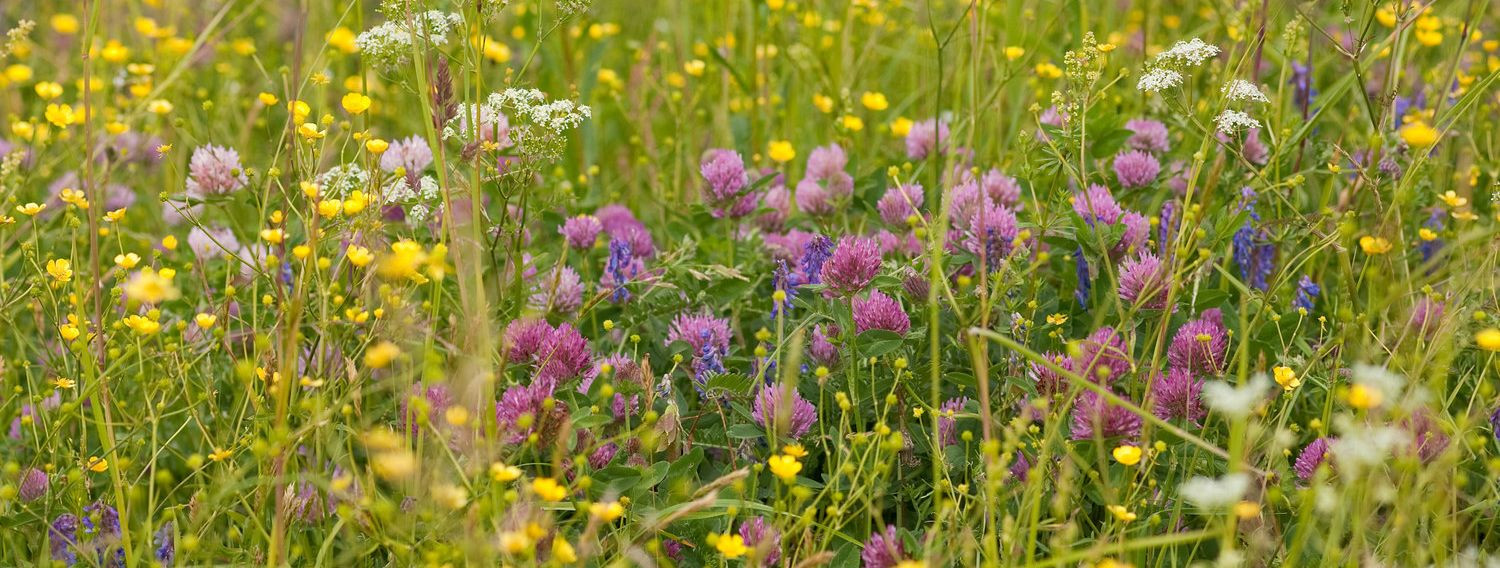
[[733, 383]]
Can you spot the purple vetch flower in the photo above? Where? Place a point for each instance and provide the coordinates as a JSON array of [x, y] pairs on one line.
[[700, 331], [724, 172], [166, 545], [884, 549], [1314, 455], [822, 351], [1145, 279], [1178, 395], [1429, 247], [1103, 357], [620, 269], [1495, 423], [901, 203], [948, 422], [581, 231], [1253, 251], [1166, 229], [1048, 381], [1201, 345], [672, 549], [1307, 294], [1148, 135], [1301, 81], [559, 291], [63, 536], [991, 233], [781, 409], [814, 254], [880, 311], [214, 170], [764, 539], [34, 484], [1136, 168], [852, 265], [924, 137], [1093, 416], [1085, 279], [411, 154]]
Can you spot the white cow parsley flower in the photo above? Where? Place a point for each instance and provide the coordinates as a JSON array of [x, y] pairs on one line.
[[342, 179], [1242, 90], [1192, 53], [1158, 80], [1215, 493], [1236, 402], [389, 44], [1232, 121]]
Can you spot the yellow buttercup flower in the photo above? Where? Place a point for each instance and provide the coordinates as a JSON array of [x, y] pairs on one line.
[[159, 107], [823, 103], [1014, 52], [219, 455], [151, 287], [127, 260], [1488, 339], [1121, 513], [61, 269], [1365, 397], [503, 473], [68, 332], [853, 123], [782, 151], [142, 325], [356, 103], [30, 209], [1127, 454], [381, 355], [97, 464], [731, 545], [785, 467], [1286, 377], [607, 512], [48, 90], [377, 146], [60, 115], [1373, 245], [874, 101], [205, 321], [548, 489], [1419, 135], [359, 256]]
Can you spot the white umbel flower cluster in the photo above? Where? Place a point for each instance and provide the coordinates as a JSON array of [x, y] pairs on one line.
[[1158, 80], [1236, 402], [342, 179], [1164, 72], [1231, 121], [389, 44], [1215, 493], [556, 116], [1240, 90], [1191, 53]]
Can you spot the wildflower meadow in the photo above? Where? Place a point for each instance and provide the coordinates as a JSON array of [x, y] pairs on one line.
[[791, 283]]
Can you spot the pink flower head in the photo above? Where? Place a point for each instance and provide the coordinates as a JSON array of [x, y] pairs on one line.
[[762, 537], [880, 311], [214, 170], [900, 203], [724, 172], [1001, 188], [1200, 345], [1094, 416], [852, 266], [1144, 279], [699, 331], [1314, 455], [1136, 168], [884, 549], [1048, 381], [826, 162], [1137, 230], [1178, 395], [820, 349], [925, 137], [991, 233], [411, 154], [1103, 357], [778, 203], [581, 231], [782, 409], [1426, 315], [812, 198], [947, 422], [559, 291], [1148, 135], [1097, 205]]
